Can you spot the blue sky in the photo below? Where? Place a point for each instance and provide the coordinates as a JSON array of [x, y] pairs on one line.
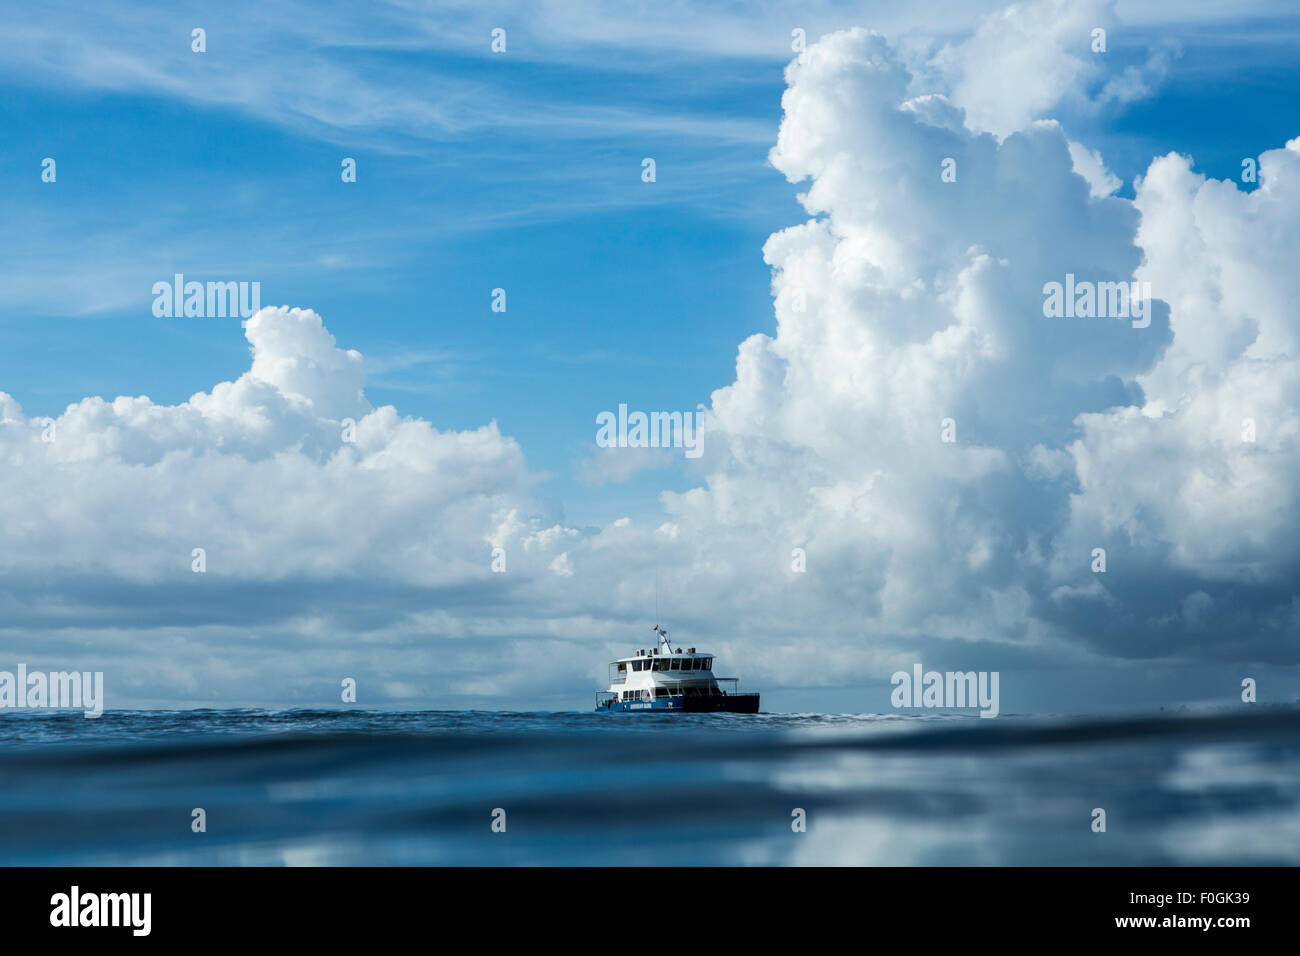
[[617, 290], [478, 170], [607, 299]]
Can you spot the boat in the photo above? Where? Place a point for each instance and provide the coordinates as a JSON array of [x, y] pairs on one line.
[[664, 679]]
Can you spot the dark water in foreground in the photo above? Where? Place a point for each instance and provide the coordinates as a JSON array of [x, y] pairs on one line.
[[348, 787]]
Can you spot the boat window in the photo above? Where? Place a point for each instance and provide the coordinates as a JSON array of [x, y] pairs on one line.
[[695, 663], [661, 692], [674, 665], [622, 668], [708, 663], [659, 665]]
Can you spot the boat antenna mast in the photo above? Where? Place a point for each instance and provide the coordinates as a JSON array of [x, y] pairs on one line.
[[663, 635]]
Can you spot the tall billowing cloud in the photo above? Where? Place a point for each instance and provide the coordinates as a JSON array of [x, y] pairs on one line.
[[1108, 491], [1198, 485], [910, 310]]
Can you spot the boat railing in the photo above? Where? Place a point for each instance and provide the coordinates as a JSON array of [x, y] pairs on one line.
[[730, 685]]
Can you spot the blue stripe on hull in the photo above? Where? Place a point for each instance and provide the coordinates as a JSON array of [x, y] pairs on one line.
[[726, 704]]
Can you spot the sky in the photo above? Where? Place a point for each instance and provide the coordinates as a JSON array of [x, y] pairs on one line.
[[798, 273]]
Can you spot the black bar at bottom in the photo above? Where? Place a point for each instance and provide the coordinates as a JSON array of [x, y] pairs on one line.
[[583, 906]]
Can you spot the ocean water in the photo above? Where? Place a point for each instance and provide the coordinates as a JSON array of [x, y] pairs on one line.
[[349, 787]]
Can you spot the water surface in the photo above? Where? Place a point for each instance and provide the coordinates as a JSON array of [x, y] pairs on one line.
[[353, 787]]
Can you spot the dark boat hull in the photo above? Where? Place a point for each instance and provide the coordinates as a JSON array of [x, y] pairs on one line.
[[715, 704]]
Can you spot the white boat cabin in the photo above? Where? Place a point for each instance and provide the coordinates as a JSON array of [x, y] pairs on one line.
[[665, 672]]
